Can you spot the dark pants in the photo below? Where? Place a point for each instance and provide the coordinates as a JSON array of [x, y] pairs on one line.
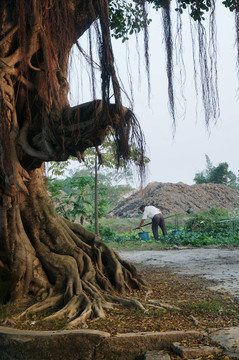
[[158, 221]]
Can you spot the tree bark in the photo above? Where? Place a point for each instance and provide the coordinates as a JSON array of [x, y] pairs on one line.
[[58, 262], [42, 255], [96, 197]]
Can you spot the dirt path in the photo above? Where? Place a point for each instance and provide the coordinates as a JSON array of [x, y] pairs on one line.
[[221, 265]]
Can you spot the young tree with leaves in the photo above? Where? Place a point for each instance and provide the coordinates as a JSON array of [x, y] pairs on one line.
[[104, 172]]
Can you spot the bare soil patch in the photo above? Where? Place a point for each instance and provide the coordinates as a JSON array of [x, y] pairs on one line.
[[186, 303], [178, 198], [215, 262]]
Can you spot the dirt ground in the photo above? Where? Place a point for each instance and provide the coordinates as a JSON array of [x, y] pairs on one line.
[[218, 264], [178, 198], [178, 296]]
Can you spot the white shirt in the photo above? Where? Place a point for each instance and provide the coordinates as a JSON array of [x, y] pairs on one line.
[[150, 211]]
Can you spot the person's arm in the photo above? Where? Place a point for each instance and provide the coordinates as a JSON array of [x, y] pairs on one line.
[[141, 223]]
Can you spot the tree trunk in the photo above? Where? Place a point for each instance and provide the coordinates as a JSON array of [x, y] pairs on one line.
[[41, 254], [58, 262], [96, 197]]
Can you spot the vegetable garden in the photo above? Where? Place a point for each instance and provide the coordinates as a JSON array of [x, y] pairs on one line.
[[211, 227]]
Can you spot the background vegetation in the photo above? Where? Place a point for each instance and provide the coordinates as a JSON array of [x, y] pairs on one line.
[[74, 199], [219, 174]]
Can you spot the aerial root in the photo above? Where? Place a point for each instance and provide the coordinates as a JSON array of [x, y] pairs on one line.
[[79, 308], [20, 175], [50, 302], [85, 310], [9, 35], [76, 305], [97, 308], [32, 67], [91, 289], [43, 291], [125, 302]]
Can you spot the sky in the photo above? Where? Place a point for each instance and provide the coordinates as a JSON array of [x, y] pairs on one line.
[[178, 156]]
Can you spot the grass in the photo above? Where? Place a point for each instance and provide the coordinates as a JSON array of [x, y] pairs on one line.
[[126, 225], [120, 225]]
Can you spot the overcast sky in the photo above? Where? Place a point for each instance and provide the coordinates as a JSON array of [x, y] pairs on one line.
[[179, 157]]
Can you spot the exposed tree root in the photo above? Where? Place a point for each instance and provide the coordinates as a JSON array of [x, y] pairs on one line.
[[128, 302], [74, 274], [79, 308], [64, 267], [49, 303]]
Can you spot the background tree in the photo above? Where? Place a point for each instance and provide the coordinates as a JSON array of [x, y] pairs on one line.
[[42, 254], [217, 174], [74, 197], [203, 176], [105, 174]]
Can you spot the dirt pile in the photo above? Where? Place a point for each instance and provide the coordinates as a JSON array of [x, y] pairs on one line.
[[178, 198]]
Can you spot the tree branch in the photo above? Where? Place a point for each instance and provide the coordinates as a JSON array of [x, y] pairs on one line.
[[81, 127]]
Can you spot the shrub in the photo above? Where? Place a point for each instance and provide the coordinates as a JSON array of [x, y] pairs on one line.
[[217, 213], [105, 232], [212, 222]]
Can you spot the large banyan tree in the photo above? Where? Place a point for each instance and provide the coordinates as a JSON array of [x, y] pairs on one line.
[[42, 255]]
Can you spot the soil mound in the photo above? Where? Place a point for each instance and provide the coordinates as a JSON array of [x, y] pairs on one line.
[[178, 198]]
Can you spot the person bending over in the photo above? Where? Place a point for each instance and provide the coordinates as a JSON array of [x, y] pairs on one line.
[[157, 219]]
